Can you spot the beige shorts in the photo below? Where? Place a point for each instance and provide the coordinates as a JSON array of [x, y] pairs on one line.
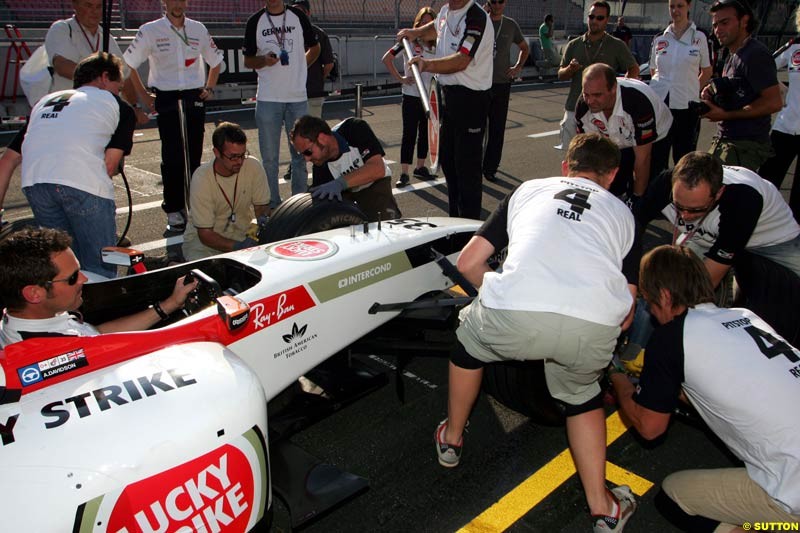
[[727, 495], [575, 351]]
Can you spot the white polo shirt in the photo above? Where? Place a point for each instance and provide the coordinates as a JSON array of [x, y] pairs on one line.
[[639, 116], [177, 55], [66, 38], [678, 63], [788, 119], [467, 31]]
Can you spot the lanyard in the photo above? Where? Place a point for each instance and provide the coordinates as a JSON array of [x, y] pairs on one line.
[[183, 37], [447, 23], [96, 45], [279, 35], [231, 218], [683, 238]]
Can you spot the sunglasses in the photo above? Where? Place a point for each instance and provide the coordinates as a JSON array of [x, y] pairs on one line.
[[692, 210], [308, 151], [236, 157], [72, 280], [497, 1], [600, 18]]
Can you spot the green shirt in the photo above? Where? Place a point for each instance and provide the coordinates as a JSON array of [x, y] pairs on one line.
[[544, 31], [506, 31], [608, 50]]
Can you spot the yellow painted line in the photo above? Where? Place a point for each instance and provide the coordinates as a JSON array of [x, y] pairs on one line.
[[620, 476], [538, 486]]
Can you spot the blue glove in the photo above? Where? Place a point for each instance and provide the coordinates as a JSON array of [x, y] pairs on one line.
[[247, 243], [332, 189]]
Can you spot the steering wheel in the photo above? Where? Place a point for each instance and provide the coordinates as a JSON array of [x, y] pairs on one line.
[[207, 291]]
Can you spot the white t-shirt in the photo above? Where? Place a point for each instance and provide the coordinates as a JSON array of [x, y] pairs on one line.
[[567, 238], [13, 329], [742, 379], [639, 116], [66, 38], [177, 55], [724, 231], [788, 119], [678, 63], [467, 31], [67, 137], [291, 32], [419, 50]]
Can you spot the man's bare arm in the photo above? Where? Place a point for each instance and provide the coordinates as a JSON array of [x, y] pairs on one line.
[[472, 260]]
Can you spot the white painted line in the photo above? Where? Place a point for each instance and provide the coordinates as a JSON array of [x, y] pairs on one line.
[[544, 134], [160, 243], [139, 207]]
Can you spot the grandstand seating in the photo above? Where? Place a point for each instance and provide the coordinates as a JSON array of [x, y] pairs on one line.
[[34, 12], [340, 14]]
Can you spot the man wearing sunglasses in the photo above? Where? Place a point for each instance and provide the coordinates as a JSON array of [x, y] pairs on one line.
[[41, 284], [595, 46], [348, 163], [719, 212], [225, 195]]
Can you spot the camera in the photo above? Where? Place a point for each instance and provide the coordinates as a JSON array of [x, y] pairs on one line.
[[699, 108], [731, 93]]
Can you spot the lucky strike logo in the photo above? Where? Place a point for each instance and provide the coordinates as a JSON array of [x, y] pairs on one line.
[[796, 58], [214, 492], [661, 45], [304, 250]]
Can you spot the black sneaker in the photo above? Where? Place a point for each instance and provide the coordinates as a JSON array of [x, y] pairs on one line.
[[490, 177], [176, 222], [403, 181], [288, 175], [422, 173]]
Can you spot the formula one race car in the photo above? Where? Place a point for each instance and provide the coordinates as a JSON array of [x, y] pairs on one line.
[[166, 429]]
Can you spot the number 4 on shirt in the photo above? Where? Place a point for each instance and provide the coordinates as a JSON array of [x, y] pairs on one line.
[[577, 199], [770, 346]]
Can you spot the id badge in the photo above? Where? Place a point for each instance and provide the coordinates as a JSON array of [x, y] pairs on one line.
[[284, 57]]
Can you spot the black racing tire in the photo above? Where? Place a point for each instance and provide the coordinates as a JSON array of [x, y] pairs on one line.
[[301, 214], [521, 386]]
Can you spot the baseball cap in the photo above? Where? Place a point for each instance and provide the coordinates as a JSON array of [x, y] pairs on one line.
[[302, 3]]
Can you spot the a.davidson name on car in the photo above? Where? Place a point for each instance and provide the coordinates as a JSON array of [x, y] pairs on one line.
[[303, 249], [364, 275], [52, 367], [223, 490]]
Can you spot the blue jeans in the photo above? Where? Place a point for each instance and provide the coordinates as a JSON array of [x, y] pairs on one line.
[[89, 220], [786, 254], [270, 116]]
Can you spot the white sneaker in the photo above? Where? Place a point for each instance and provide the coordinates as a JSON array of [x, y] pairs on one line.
[[626, 505]]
